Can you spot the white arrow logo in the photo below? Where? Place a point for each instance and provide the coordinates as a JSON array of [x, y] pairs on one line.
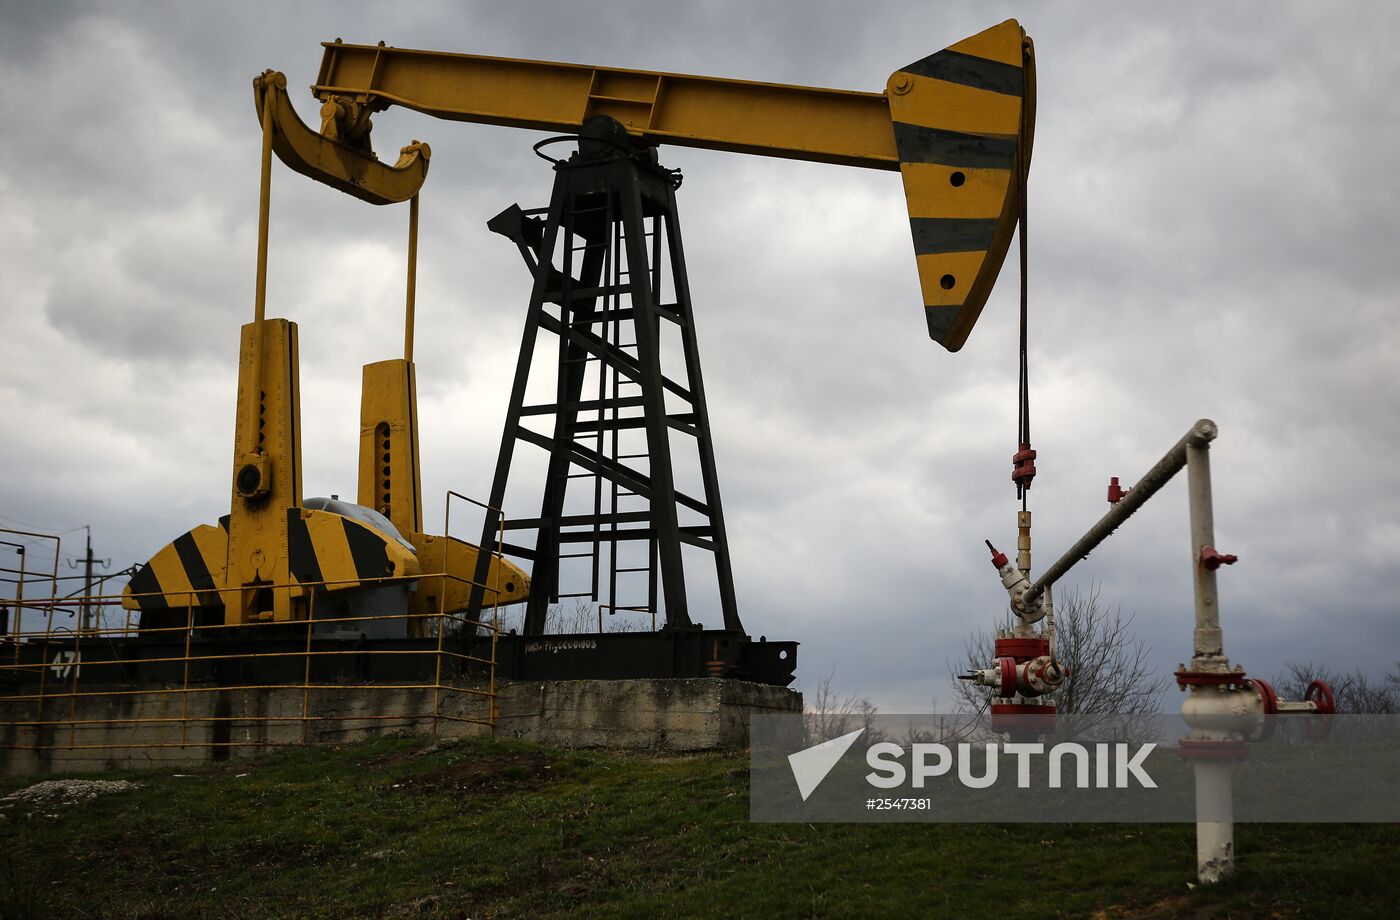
[[811, 765]]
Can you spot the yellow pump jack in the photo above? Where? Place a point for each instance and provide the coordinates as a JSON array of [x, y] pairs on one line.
[[956, 125], [275, 557]]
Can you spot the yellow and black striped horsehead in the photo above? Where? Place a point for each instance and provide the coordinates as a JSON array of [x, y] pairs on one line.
[[324, 549], [964, 179]]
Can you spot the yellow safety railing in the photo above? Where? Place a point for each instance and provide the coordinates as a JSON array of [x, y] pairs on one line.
[[35, 709]]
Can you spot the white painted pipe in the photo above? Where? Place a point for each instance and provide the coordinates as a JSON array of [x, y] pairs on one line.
[[1215, 840], [1200, 436], [1209, 644]]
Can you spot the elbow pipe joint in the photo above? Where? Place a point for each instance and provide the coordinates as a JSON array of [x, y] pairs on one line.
[[1027, 608]]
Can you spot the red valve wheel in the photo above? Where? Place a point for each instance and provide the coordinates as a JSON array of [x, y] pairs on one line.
[[1266, 695], [1320, 693], [1269, 698]]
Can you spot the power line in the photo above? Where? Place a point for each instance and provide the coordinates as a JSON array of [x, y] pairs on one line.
[[32, 575], [5, 517], [34, 541]]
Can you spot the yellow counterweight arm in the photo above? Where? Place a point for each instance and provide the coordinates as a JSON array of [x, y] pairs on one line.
[[957, 125]]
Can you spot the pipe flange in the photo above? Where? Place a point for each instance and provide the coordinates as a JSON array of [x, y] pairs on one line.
[[1186, 679], [1006, 669], [1022, 648], [1212, 749], [1319, 693], [1023, 718]]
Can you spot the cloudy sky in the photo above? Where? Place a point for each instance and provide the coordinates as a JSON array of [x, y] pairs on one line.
[[1214, 234]]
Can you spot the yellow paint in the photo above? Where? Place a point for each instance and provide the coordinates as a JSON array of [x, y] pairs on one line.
[[170, 574], [963, 266], [954, 107], [327, 158], [327, 532], [999, 43], [803, 122], [506, 583], [389, 412], [929, 190], [768, 119], [257, 550]]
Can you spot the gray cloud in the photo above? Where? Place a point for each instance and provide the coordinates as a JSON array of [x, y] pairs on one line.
[[1212, 230]]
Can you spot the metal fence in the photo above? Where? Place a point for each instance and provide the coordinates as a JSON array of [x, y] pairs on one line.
[[50, 674], [97, 685]]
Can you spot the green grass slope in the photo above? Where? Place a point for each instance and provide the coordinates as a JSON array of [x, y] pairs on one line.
[[401, 827]]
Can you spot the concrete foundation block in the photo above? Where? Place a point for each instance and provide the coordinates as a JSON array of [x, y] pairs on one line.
[[167, 727]]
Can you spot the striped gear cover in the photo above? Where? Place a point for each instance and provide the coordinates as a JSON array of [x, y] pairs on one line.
[[185, 573], [963, 178], [321, 547]]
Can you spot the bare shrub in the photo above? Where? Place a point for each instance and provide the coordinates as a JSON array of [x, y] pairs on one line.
[[1355, 691], [828, 714]]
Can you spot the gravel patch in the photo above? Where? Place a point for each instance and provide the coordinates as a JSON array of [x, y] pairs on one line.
[[66, 791]]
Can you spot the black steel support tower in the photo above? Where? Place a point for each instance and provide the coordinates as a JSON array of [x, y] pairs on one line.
[[611, 226]]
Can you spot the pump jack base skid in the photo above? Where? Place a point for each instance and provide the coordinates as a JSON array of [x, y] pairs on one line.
[[157, 660], [637, 655]]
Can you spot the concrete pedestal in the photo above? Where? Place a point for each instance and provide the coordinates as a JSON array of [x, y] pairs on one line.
[[120, 730]]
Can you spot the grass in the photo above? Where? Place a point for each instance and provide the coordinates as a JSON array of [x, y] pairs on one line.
[[399, 828]]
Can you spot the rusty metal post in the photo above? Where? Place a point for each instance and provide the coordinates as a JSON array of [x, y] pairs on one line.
[[185, 684], [441, 635], [493, 712], [44, 670], [16, 625], [76, 664], [19, 596], [306, 670]]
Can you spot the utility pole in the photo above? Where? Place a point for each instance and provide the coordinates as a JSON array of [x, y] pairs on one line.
[[87, 579], [6, 628]]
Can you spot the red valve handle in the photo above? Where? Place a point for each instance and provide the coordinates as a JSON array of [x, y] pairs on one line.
[[1320, 693], [1023, 466], [1269, 698], [1267, 695], [1213, 560]]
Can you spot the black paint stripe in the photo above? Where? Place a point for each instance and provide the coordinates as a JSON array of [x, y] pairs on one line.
[[968, 70], [301, 555], [940, 321], [920, 144], [952, 234], [367, 549], [144, 583], [195, 569]]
